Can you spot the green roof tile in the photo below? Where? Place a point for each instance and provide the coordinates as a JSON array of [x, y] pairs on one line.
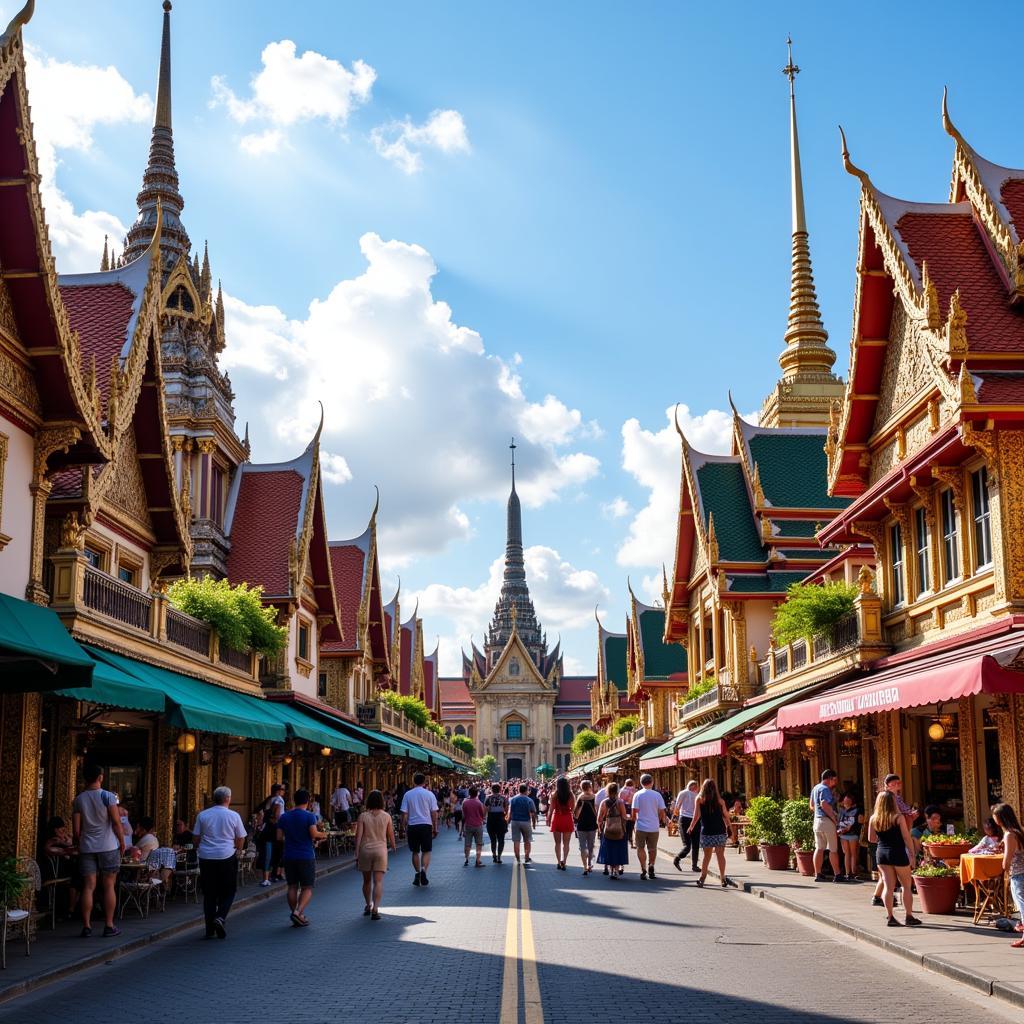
[[808, 552], [723, 494], [615, 660], [762, 583], [661, 660], [796, 527], [793, 470]]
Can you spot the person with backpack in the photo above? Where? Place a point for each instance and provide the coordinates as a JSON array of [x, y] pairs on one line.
[[585, 816], [497, 825], [273, 808], [611, 821]]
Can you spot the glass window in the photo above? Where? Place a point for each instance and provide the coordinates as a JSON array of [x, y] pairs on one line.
[[899, 591], [94, 558], [469, 731], [580, 728], [982, 524], [567, 734], [921, 547], [126, 574], [950, 537], [513, 730], [304, 642], [321, 684], [216, 494], [460, 730]]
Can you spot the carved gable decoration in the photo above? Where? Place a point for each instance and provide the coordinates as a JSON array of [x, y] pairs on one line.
[[906, 371], [515, 671], [7, 322], [126, 491]]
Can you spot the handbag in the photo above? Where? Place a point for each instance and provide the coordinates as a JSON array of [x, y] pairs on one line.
[[614, 829]]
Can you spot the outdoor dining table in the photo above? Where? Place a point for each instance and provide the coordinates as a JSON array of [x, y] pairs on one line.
[[983, 872]]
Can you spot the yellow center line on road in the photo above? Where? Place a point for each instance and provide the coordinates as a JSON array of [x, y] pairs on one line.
[[510, 980], [534, 1012]]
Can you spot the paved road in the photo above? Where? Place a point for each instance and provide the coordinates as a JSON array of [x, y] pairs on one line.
[[570, 949]]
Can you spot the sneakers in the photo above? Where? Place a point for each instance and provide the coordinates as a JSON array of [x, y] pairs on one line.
[[266, 883], [423, 878], [465, 863], [876, 901], [893, 923], [650, 872], [676, 863], [643, 874], [416, 879], [527, 860], [839, 878], [820, 878], [110, 931], [913, 922], [218, 927], [86, 932]]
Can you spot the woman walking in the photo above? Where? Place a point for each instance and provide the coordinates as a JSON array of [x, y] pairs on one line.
[[584, 813], [560, 820], [375, 835], [848, 830], [711, 815], [1013, 859], [611, 820], [888, 828], [497, 826]]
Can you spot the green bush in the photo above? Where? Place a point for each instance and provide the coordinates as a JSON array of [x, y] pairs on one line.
[[485, 765], [798, 823], [465, 744], [812, 610], [587, 740], [237, 613], [936, 871], [412, 707], [765, 814], [13, 882], [699, 689], [627, 723]]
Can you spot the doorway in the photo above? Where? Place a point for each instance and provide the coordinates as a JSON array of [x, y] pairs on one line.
[[513, 768]]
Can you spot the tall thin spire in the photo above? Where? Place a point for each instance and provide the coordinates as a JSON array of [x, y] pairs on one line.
[[514, 568], [806, 349], [160, 179]]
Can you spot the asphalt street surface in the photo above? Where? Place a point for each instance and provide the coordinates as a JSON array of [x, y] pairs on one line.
[[511, 946]]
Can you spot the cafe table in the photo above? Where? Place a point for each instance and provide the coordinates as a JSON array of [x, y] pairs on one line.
[[983, 873]]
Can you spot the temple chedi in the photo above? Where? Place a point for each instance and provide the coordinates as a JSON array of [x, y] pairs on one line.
[[803, 396], [200, 402]]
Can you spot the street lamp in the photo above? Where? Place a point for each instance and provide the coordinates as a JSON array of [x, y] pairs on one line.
[[186, 743]]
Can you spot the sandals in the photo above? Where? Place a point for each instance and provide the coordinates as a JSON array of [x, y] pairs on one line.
[[700, 883], [725, 883], [1018, 944]]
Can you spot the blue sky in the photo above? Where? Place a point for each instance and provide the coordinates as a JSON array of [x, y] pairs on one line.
[[611, 220]]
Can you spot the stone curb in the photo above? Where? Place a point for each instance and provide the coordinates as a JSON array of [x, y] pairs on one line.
[[939, 964], [54, 974]]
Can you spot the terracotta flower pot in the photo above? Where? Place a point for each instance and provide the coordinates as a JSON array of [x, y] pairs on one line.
[[805, 862], [775, 856], [946, 851], [938, 895], [752, 852]]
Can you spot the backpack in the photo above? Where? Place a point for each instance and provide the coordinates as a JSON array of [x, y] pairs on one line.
[[613, 827]]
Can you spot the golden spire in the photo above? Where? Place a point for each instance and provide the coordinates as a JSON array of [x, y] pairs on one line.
[[105, 262], [806, 349]]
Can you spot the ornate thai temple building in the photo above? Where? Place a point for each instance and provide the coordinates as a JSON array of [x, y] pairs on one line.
[[513, 699]]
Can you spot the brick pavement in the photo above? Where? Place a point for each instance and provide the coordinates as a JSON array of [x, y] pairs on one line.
[[656, 951]]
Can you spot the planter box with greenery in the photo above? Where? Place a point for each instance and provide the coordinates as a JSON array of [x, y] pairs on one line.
[[627, 723], [13, 883], [812, 610], [765, 815], [586, 741], [939, 888], [798, 826], [238, 614]]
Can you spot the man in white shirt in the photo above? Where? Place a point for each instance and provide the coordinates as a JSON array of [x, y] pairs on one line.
[[341, 803], [219, 835], [419, 816], [648, 814], [683, 809]]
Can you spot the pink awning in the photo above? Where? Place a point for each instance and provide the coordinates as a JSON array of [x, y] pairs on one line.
[[768, 737], [713, 748], [666, 761], [905, 687]]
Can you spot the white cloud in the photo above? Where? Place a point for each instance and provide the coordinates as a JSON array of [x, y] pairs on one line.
[[289, 89], [68, 102], [563, 595], [654, 461], [334, 468], [402, 142], [413, 401], [617, 508]]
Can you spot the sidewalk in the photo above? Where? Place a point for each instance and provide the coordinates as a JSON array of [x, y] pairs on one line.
[[57, 954], [947, 944]]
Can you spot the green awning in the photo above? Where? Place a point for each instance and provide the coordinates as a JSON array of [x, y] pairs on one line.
[[117, 689], [193, 704], [394, 746], [36, 651], [302, 727], [417, 753], [440, 759]]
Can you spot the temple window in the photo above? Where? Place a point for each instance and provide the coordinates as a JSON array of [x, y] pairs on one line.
[[303, 641], [460, 730], [567, 734], [469, 731], [217, 494], [513, 730], [321, 684], [899, 591], [982, 519], [580, 728], [181, 299], [950, 537], [921, 549], [513, 666], [94, 557]]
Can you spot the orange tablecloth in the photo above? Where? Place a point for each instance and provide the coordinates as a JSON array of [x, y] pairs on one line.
[[980, 867]]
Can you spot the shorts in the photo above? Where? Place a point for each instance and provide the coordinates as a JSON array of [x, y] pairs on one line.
[[374, 858], [825, 837], [522, 830], [647, 841], [107, 863], [300, 872], [473, 833], [420, 838], [851, 836], [587, 841]]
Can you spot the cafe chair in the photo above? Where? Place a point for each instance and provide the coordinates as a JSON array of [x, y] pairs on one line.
[[247, 864], [22, 916], [161, 863], [53, 883], [135, 889], [186, 878]]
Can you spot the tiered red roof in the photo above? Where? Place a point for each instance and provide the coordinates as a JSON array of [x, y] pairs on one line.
[[100, 313]]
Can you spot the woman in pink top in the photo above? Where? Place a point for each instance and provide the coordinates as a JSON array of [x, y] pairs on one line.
[[473, 816]]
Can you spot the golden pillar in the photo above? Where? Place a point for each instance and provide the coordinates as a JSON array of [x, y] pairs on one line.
[[1008, 540], [20, 734], [969, 762], [164, 762], [1007, 712]]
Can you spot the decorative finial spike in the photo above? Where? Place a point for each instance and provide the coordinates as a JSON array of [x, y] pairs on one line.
[[21, 19], [105, 262]]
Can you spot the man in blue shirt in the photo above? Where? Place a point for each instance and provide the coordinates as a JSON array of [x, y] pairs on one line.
[[298, 829], [522, 816], [823, 803]]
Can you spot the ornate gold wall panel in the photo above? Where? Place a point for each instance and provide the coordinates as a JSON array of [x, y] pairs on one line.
[[20, 734], [969, 761], [1009, 542]]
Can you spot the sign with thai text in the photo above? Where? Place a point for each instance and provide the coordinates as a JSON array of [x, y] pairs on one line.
[[368, 715]]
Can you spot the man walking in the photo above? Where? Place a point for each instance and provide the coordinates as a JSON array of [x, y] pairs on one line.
[[298, 830], [648, 816], [419, 816], [272, 811], [219, 835], [341, 805], [683, 809], [96, 822], [522, 817], [473, 815], [826, 838]]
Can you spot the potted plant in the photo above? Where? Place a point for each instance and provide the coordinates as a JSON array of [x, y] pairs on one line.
[[751, 842], [947, 848], [13, 883], [798, 826], [765, 814], [938, 886]]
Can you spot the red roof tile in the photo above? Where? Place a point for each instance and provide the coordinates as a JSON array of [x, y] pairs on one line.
[[1001, 388], [348, 566], [265, 521], [100, 314], [957, 257], [428, 683], [574, 690], [454, 691], [67, 483], [1012, 195]]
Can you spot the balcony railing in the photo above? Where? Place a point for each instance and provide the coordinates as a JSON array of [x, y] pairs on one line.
[[846, 634], [395, 719], [185, 631], [109, 596], [723, 693], [236, 659], [610, 747]]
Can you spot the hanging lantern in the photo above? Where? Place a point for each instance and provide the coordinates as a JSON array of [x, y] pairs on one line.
[[759, 759], [810, 742], [288, 759], [848, 725], [186, 742], [936, 731], [326, 751]]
